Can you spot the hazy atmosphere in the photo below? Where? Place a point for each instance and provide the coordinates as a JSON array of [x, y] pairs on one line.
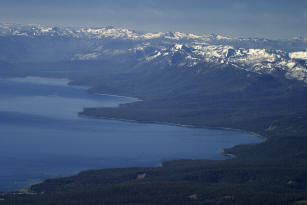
[[262, 18], [143, 102]]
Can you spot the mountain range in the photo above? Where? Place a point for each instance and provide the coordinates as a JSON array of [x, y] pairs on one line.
[[36, 43]]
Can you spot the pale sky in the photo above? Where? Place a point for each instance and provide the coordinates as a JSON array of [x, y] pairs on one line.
[[240, 18]]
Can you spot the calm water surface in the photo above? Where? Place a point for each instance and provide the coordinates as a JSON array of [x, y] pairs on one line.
[[41, 135]]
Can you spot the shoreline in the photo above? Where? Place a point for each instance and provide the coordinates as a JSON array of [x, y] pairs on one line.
[[223, 152], [122, 96], [80, 114]]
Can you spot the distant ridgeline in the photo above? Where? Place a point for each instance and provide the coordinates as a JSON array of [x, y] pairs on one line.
[[257, 85]]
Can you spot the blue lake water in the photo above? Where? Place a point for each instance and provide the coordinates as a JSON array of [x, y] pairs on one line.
[[41, 135]]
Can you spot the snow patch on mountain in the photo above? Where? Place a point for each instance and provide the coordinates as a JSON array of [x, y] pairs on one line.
[[153, 35], [220, 37], [153, 57], [299, 73], [299, 55], [109, 33], [213, 53], [89, 56], [179, 35], [46, 30]]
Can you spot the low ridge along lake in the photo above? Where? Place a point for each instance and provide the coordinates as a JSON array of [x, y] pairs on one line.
[[41, 135]]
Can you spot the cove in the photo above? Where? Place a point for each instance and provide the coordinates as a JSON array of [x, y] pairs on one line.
[[41, 135]]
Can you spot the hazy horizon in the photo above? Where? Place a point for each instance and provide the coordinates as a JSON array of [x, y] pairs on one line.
[[235, 18]]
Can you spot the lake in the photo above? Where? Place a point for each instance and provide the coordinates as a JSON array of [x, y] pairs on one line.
[[41, 135]]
